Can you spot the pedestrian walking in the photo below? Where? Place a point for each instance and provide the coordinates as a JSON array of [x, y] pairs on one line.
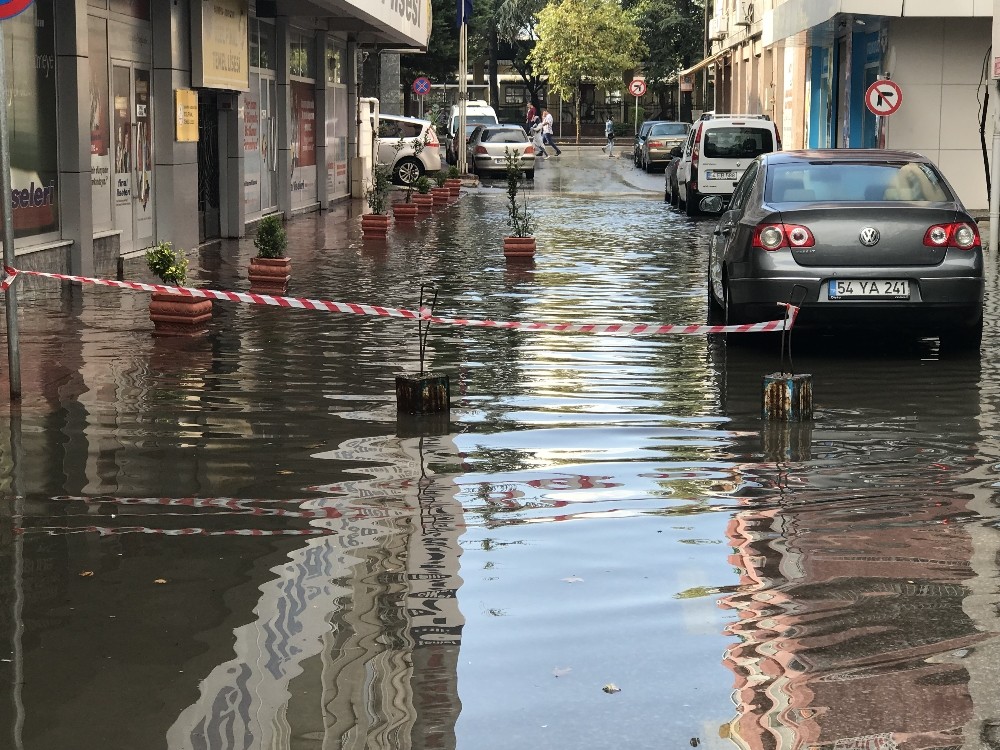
[[536, 137], [529, 118], [609, 133], [548, 137]]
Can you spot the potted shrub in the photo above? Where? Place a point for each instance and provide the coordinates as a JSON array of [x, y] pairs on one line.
[[440, 193], [406, 210], [271, 268], [423, 198], [454, 182], [520, 243], [376, 224], [175, 314]]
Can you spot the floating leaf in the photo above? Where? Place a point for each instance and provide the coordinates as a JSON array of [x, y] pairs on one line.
[[611, 688], [86, 574], [160, 580]]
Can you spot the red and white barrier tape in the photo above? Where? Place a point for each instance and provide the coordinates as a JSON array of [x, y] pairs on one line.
[[301, 303], [114, 531]]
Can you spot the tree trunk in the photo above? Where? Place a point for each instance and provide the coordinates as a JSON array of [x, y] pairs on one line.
[[494, 66]]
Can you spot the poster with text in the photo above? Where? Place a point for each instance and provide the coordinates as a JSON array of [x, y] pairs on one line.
[[303, 144], [336, 142], [100, 124], [250, 103]]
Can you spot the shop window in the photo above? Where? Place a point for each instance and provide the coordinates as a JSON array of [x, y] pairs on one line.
[[262, 45], [301, 55], [335, 69]]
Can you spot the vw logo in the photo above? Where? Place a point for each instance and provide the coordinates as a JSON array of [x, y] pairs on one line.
[[869, 236]]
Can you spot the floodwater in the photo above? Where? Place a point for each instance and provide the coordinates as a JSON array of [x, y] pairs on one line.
[[235, 542]]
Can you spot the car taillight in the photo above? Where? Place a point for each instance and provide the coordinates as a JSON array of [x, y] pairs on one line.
[[655, 144], [529, 150], [481, 150], [958, 234], [777, 236], [696, 147]]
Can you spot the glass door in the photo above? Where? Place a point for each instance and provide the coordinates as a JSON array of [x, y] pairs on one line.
[[268, 144], [133, 156]]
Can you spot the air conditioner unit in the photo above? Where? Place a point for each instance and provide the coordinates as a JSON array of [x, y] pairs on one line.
[[717, 28], [745, 14]]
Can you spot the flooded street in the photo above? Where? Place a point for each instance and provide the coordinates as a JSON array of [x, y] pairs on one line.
[[234, 543]]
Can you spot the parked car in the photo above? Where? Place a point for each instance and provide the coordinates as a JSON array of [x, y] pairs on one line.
[[476, 113], [871, 238], [407, 165], [714, 156], [488, 145], [639, 138], [662, 138]]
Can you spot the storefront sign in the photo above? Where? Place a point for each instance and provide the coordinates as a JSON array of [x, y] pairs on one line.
[[222, 59], [186, 115]]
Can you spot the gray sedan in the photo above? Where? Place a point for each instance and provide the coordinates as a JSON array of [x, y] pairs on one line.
[[488, 145], [865, 239]]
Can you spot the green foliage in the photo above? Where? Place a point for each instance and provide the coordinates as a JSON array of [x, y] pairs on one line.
[[586, 40], [377, 194], [438, 63], [270, 239], [423, 184], [519, 219], [439, 178], [167, 264], [453, 172], [673, 31]]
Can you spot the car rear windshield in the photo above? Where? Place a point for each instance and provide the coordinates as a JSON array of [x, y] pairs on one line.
[[669, 128], [399, 129], [855, 181], [505, 135], [737, 143], [473, 120]]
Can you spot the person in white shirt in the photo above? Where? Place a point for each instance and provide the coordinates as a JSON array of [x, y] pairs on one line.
[[547, 135], [609, 132], [537, 138]]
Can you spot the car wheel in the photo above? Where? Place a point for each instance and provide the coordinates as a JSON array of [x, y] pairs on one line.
[[691, 203], [407, 171], [716, 312]]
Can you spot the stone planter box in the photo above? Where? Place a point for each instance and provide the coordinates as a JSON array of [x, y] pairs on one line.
[[174, 315], [269, 275]]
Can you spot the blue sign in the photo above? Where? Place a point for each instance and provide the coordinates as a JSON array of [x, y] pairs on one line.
[[422, 86]]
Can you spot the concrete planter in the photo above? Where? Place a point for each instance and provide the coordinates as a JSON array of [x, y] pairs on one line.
[[454, 185], [269, 275], [405, 212], [424, 201], [441, 196], [174, 315]]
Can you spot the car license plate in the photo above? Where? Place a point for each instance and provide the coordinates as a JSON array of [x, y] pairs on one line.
[[499, 160], [884, 288], [721, 175]]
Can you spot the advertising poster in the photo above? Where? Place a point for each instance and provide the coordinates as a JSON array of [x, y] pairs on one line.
[[143, 185], [31, 70], [336, 143], [250, 103], [303, 144], [122, 166], [100, 124]]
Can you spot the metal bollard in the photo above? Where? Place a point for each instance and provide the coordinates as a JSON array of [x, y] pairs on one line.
[[787, 398]]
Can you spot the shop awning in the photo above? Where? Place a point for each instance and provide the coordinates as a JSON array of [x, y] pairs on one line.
[[703, 64]]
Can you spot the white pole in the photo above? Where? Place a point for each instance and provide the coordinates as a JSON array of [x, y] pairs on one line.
[[636, 116], [994, 227], [463, 95]]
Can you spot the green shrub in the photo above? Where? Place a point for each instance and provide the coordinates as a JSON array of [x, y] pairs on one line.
[[423, 184], [519, 219], [169, 265], [453, 172], [270, 239], [439, 178]]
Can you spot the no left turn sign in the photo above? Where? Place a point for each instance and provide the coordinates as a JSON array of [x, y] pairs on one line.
[[637, 87], [884, 97]]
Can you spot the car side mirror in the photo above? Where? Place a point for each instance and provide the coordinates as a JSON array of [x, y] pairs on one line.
[[676, 152]]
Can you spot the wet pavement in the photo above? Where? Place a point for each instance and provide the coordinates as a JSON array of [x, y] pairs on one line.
[[235, 543]]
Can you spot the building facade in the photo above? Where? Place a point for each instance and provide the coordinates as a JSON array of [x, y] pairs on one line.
[[135, 122], [809, 64]]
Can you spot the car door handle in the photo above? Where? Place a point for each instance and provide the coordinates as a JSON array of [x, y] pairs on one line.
[[726, 229]]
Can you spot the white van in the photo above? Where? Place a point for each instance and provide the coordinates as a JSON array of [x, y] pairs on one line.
[[477, 112], [715, 155]]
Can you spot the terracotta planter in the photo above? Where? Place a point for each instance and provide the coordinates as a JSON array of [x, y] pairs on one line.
[[519, 247], [269, 275], [405, 212], [454, 184], [424, 201], [375, 226], [441, 196], [173, 315]]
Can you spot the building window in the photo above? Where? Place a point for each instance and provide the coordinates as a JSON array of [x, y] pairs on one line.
[[515, 95], [262, 45], [335, 69], [301, 55], [612, 97]]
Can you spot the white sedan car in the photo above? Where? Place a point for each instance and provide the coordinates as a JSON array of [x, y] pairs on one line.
[[419, 152]]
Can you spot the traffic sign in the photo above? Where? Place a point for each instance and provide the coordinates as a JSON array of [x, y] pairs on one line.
[[10, 8], [637, 87], [422, 86], [884, 97]]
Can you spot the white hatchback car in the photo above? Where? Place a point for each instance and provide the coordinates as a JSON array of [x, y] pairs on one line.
[[408, 161], [714, 157]]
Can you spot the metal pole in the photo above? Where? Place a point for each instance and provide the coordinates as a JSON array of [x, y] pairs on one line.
[[10, 298], [636, 116], [995, 189], [463, 95]]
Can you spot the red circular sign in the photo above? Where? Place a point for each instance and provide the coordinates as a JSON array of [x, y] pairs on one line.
[[637, 87], [422, 86], [883, 97], [10, 8]]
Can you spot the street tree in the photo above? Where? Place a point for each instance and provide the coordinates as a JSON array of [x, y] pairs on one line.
[[581, 41], [440, 61], [503, 30]]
